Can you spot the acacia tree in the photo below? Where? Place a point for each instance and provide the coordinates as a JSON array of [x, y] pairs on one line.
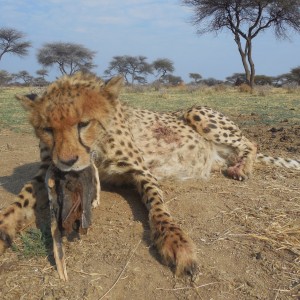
[[162, 66], [5, 77], [40, 80], [69, 57], [236, 78], [11, 41], [42, 73], [25, 76], [263, 80], [196, 77], [134, 66], [173, 80], [245, 19]]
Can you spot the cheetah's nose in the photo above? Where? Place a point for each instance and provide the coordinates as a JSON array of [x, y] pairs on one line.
[[69, 162]]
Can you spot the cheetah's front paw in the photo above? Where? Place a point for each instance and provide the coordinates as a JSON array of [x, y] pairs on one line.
[[177, 250]]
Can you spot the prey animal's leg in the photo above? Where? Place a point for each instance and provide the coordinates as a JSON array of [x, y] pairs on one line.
[[96, 183], [58, 250]]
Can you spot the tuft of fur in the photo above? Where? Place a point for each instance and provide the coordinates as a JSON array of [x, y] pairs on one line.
[[71, 196]]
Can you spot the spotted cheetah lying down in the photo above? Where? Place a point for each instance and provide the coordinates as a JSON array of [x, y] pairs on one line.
[[80, 119]]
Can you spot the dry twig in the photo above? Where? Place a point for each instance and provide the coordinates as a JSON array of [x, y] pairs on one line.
[[122, 271], [188, 287]]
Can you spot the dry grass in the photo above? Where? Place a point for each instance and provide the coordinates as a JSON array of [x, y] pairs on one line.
[[221, 88], [282, 231], [245, 88], [122, 271], [263, 90], [277, 226]]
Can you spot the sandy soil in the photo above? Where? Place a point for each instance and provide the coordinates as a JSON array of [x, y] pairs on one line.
[[247, 234]]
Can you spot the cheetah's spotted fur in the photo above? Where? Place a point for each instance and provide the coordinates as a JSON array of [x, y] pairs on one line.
[[79, 117]]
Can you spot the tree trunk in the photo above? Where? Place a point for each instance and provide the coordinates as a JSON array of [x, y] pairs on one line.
[[244, 58], [251, 63], [126, 79], [5, 50]]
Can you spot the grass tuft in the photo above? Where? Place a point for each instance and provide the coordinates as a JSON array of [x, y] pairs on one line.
[[33, 242]]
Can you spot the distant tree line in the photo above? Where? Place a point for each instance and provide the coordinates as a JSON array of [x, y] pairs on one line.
[[291, 78], [163, 79], [23, 78], [70, 58]]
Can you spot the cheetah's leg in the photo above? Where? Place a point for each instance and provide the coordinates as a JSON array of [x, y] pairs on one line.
[[22, 210], [215, 127], [174, 245]]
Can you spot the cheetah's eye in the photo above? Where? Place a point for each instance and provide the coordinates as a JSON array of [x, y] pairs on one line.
[[48, 130], [83, 124]]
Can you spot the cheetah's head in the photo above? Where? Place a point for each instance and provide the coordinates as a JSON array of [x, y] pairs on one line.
[[71, 115]]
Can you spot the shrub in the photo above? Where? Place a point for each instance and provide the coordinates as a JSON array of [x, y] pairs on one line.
[[244, 88], [220, 87], [292, 88]]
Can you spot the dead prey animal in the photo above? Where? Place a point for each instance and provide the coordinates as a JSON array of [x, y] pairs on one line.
[[72, 196]]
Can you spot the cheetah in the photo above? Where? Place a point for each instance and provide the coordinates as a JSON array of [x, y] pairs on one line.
[[80, 120]]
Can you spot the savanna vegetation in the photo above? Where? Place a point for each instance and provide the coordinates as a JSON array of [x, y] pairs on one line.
[[270, 105]]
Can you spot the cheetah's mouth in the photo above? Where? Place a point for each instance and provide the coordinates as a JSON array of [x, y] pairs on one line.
[[66, 169], [77, 167]]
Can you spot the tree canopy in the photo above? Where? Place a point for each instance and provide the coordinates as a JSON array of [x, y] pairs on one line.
[[12, 41], [294, 75], [245, 19], [134, 66], [42, 72], [236, 78], [172, 80], [24, 76], [196, 77], [5, 77], [162, 66], [69, 57]]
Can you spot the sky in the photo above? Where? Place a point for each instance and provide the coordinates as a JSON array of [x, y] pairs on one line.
[[155, 29]]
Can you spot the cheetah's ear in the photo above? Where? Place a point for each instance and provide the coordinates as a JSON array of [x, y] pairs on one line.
[[28, 101], [114, 85]]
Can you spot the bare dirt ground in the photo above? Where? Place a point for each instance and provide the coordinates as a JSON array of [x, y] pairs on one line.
[[247, 234]]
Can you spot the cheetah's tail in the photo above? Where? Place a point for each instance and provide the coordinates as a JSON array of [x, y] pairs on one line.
[[279, 161]]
